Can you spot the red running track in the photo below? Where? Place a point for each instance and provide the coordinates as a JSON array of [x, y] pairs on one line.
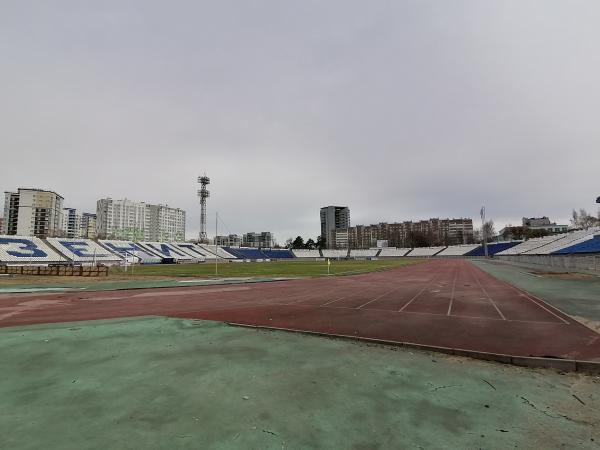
[[445, 303]]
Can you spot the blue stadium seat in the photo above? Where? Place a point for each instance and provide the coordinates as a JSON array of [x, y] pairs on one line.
[[278, 253], [245, 253], [589, 246], [493, 248]]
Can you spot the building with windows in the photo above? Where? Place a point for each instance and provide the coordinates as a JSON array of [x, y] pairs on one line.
[[258, 240], [139, 221], [543, 223], [231, 240], [71, 223], [88, 226], [408, 234], [1, 225], [335, 221], [33, 212]]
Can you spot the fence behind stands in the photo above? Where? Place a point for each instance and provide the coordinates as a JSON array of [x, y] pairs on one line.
[[68, 271]]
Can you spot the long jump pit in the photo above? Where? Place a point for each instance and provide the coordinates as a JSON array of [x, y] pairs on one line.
[[444, 305]]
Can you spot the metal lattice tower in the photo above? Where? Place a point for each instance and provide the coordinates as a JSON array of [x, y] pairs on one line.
[[203, 194]]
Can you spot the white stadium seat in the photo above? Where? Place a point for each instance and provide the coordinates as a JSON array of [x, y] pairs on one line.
[[213, 250], [83, 250], [305, 253], [129, 249], [425, 251], [393, 252], [166, 250], [566, 240], [364, 253], [191, 249], [530, 244], [26, 250], [335, 253], [458, 250]]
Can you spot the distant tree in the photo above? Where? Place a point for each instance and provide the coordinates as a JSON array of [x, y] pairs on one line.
[[488, 230], [321, 242], [288, 243], [310, 244], [584, 220], [298, 242]]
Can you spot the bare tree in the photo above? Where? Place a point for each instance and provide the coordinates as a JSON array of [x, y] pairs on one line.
[[584, 220]]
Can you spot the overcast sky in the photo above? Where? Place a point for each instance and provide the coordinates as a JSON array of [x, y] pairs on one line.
[[401, 110]]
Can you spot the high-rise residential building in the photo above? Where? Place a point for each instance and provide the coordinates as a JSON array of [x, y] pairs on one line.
[[1, 225], [335, 221], [33, 212], [421, 233], [231, 240], [258, 240], [165, 224], [71, 223], [138, 221], [88, 226]]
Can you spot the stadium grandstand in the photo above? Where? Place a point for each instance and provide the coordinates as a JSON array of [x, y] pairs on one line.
[[335, 253], [20, 250], [393, 252], [83, 251], [246, 253], [191, 249], [530, 244], [458, 250], [587, 246], [492, 248], [366, 253], [167, 251], [213, 251], [425, 252], [128, 249], [566, 240], [305, 253], [276, 253]]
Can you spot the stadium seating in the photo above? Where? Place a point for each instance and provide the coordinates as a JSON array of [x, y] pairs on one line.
[[566, 240], [591, 245], [303, 253], [166, 251], [366, 253], [84, 251], [530, 244], [26, 250], [214, 250], [336, 254], [128, 249], [191, 249], [493, 248], [425, 251], [245, 253], [276, 253], [458, 250], [393, 252]]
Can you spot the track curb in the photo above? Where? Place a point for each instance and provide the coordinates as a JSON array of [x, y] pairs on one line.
[[563, 365]]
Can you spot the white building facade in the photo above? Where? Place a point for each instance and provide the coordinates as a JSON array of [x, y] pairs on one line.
[[33, 212], [139, 221]]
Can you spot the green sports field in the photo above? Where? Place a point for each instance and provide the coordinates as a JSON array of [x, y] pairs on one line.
[[163, 275], [270, 269]]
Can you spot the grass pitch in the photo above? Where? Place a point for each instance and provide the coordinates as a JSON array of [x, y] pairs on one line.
[[266, 269]]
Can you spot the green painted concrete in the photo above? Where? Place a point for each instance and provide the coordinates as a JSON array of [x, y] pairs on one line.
[[580, 297], [159, 383]]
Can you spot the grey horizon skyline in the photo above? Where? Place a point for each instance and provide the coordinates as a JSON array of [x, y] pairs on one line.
[[399, 110]]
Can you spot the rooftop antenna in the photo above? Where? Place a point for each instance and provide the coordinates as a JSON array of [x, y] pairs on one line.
[[203, 194]]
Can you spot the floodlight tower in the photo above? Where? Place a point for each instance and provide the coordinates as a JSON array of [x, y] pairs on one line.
[[203, 194]]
